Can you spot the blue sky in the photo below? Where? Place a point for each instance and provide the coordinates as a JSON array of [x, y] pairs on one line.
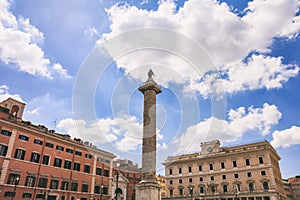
[[229, 70]]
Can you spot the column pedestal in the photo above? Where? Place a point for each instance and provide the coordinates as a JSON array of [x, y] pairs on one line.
[[148, 190]]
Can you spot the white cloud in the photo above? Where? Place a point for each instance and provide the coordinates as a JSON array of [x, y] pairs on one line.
[[123, 132], [286, 138], [240, 121], [61, 71], [34, 111], [4, 94], [91, 31], [19, 44], [227, 38]]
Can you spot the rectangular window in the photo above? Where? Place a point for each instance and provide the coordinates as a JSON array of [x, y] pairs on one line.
[[20, 154], [78, 153], [224, 177], [3, 150], [87, 168], [234, 163], [57, 162], [23, 137], [69, 150], [263, 173], [35, 157], [97, 189], [212, 178], [261, 160], [6, 132], [43, 182], [222, 165], [171, 182], [54, 184], [249, 174], [211, 166], [236, 175], [88, 156], [190, 169], [9, 194], [106, 173], [180, 191], [77, 166], [30, 181], [13, 179], [180, 170], [85, 187], [67, 164], [49, 145], [201, 179], [27, 195], [190, 180], [247, 162], [200, 168], [74, 186], [46, 160], [98, 171], [64, 185], [39, 142], [170, 171], [104, 190], [180, 181], [60, 148]]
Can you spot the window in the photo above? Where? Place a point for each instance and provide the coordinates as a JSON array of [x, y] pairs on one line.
[[20, 154], [9, 194], [170, 171], [78, 153], [261, 160], [180, 181], [88, 156], [27, 195], [98, 171], [171, 192], [222, 165], [97, 189], [200, 168], [46, 160], [224, 177], [263, 173], [69, 150], [3, 150], [212, 178], [234, 163], [13, 179], [249, 174], [201, 179], [179, 170], [23, 137], [35, 157], [190, 169], [251, 186], [60, 148], [67, 164], [57, 162], [6, 132], [39, 142], [265, 185], [236, 175], [30, 181], [43, 182], [74, 186], [87, 168], [106, 173], [64, 185], [104, 190], [180, 191], [54, 184], [50, 145], [202, 189], [77, 166], [247, 162], [211, 166], [225, 189], [190, 180], [171, 182], [40, 196]]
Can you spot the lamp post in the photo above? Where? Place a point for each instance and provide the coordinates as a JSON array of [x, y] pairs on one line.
[[117, 181], [15, 188]]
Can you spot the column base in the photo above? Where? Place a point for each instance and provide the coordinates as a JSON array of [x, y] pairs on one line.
[[148, 190]]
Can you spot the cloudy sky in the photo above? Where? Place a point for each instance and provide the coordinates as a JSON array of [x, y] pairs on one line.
[[229, 70]]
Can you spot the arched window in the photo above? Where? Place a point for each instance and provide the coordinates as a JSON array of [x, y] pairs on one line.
[[225, 188], [15, 110], [202, 189], [265, 185], [251, 187]]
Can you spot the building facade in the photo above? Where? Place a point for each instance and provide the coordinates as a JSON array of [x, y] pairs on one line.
[[244, 172], [37, 163], [292, 187]]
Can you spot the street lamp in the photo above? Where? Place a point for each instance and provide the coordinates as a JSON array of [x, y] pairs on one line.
[[15, 188], [191, 192], [117, 184]]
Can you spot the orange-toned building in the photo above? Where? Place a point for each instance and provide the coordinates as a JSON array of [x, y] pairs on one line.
[[37, 163]]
